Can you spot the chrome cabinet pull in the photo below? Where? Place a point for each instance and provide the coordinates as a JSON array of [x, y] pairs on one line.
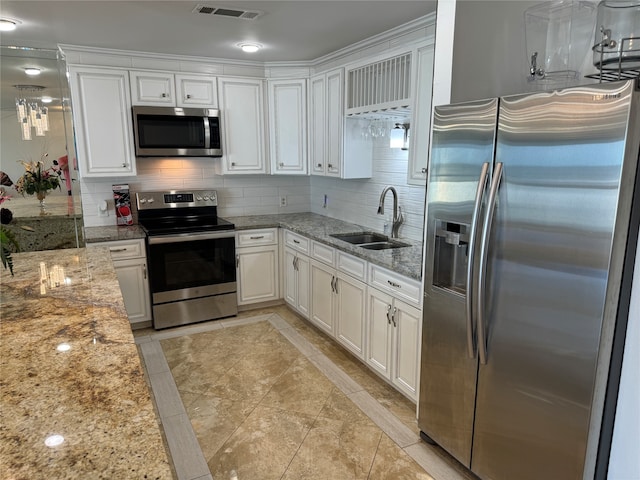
[[482, 185], [336, 285], [237, 260], [482, 262], [423, 170], [333, 285], [393, 316], [394, 284], [389, 314]]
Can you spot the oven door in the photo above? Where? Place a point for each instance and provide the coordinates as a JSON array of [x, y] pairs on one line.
[[192, 277]]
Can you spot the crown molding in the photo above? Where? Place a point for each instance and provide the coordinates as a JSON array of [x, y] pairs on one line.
[[387, 36]]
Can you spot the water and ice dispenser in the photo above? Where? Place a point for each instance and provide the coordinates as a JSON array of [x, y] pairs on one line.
[[451, 256]]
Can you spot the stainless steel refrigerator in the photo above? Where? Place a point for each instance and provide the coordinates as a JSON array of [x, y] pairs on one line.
[[531, 227]]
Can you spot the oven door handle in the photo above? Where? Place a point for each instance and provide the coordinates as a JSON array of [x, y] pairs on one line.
[[190, 237]]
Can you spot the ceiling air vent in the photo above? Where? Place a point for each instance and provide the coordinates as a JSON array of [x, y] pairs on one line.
[[227, 12]]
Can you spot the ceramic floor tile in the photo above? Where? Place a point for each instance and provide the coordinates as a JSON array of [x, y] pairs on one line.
[[263, 446], [393, 463], [166, 395], [185, 451], [400, 434], [351, 448], [268, 395], [154, 358]]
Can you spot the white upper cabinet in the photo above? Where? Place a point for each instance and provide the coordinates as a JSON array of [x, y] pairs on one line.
[[151, 88], [242, 112], [102, 122], [421, 124], [166, 89], [288, 126], [336, 146], [196, 91]]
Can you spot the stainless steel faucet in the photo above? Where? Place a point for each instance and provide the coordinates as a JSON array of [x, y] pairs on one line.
[[397, 212]]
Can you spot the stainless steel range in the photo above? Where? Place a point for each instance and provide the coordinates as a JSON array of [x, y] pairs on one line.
[[191, 257]]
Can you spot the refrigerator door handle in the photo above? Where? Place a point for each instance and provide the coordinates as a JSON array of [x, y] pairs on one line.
[[482, 263], [482, 185]]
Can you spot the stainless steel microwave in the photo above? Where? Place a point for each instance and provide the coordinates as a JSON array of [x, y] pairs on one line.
[[176, 132]]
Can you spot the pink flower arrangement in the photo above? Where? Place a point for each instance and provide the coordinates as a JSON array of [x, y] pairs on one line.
[[37, 178]]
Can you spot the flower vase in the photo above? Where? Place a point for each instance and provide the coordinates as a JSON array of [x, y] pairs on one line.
[[41, 196]]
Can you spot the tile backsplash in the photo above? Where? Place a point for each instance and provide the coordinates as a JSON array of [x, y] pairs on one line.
[[353, 201]]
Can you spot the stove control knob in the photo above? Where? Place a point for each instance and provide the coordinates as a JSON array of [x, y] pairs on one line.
[[205, 198], [143, 200], [150, 200], [198, 198]]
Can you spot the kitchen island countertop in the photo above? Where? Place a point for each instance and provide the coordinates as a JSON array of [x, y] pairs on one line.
[[71, 376]]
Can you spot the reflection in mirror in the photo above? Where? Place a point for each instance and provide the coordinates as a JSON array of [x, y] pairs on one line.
[[40, 193]]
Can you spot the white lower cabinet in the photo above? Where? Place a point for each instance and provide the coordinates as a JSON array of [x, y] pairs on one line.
[[296, 281], [351, 306], [130, 263], [257, 266], [393, 340], [338, 303]]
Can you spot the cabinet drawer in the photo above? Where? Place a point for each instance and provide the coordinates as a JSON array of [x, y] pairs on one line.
[[323, 253], [252, 238], [354, 266], [297, 242], [397, 285], [122, 249]]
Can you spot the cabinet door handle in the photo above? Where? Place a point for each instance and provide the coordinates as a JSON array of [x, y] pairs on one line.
[[333, 286], [237, 260], [423, 170], [233, 164], [296, 241], [295, 263], [393, 316], [257, 237], [188, 96], [330, 165], [394, 284], [144, 271], [336, 284], [389, 314], [164, 95], [115, 250], [319, 165], [282, 164], [124, 165]]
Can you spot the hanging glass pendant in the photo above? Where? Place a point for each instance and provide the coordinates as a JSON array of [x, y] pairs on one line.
[[21, 109], [44, 114], [26, 129]]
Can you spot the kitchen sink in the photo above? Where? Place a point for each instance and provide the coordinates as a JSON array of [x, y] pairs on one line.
[[361, 237], [383, 245], [369, 240]]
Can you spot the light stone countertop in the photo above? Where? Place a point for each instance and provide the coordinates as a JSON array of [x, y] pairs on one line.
[[406, 260], [93, 394]]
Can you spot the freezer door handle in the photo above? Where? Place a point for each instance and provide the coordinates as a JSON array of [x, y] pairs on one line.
[[482, 185], [482, 262]]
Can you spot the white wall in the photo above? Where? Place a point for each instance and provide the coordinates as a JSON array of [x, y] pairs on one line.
[[356, 201], [624, 463], [489, 50], [237, 194]]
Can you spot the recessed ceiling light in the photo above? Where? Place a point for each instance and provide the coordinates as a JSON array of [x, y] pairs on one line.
[[250, 47], [8, 25], [33, 71], [46, 99]]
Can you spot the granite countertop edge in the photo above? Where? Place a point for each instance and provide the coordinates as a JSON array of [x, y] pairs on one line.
[[70, 367]]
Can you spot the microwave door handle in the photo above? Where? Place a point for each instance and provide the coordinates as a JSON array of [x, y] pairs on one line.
[[207, 133]]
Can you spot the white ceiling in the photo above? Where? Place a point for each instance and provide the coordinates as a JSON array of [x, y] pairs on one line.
[[300, 30]]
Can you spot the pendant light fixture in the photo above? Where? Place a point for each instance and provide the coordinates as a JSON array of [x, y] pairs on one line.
[[30, 113], [399, 136]]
